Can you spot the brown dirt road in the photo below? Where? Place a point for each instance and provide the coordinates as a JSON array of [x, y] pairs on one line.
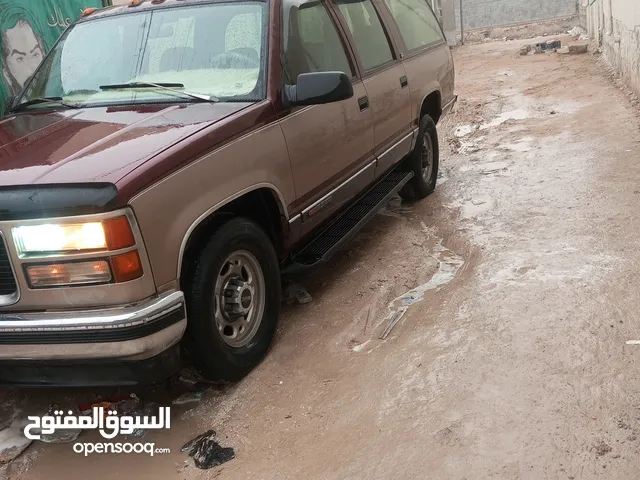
[[514, 363]]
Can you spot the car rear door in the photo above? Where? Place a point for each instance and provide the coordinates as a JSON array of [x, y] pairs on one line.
[[427, 58], [384, 80], [331, 145]]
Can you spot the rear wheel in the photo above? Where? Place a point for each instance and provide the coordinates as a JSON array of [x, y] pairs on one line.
[[423, 160], [233, 301]]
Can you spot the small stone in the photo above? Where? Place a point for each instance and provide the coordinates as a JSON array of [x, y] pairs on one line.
[[525, 49], [578, 49]]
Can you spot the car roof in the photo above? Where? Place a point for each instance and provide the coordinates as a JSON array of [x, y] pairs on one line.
[[148, 5]]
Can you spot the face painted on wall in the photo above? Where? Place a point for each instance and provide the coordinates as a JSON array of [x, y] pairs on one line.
[[21, 55]]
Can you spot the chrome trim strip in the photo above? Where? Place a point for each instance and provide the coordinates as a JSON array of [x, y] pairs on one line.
[[343, 184], [403, 139], [138, 349], [128, 316], [6, 300], [294, 219]]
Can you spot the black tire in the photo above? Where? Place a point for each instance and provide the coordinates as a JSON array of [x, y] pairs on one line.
[[217, 360], [419, 187]]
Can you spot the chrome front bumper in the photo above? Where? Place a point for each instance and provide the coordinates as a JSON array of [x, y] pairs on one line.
[[133, 332]]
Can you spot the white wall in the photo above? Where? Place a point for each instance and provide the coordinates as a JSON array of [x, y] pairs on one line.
[[615, 26]]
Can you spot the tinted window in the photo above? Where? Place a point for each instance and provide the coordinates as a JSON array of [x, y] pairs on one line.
[[417, 23], [311, 42], [367, 32]]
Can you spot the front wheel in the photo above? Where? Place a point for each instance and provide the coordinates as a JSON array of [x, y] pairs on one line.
[[423, 160], [233, 301]]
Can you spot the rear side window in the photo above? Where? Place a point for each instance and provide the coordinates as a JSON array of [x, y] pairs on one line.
[[417, 23], [367, 31], [311, 42]]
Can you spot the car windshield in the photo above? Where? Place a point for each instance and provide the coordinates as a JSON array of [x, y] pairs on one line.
[[213, 51]]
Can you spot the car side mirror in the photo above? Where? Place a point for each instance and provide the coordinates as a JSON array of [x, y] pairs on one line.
[[319, 87], [8, 104]]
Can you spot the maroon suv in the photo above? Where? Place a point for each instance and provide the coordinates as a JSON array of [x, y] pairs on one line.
[[162, 185]]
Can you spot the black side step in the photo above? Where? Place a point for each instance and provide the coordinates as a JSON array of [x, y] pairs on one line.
[[344, 228]]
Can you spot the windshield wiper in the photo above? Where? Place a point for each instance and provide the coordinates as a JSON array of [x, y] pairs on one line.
[[171, 87], [35, 101]]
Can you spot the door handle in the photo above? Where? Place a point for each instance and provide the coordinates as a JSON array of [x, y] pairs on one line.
[[403, 81], [363, 103]]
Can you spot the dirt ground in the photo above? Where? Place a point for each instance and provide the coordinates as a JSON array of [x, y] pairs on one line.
[[511, 358]]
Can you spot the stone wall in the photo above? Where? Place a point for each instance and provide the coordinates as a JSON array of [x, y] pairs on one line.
[[496, 13]]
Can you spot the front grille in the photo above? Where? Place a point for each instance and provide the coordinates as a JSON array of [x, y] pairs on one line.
[[7, 279]]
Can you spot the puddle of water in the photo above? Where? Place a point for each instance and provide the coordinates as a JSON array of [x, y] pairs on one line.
[[475, 207], [492, 167], [442, 178], [522, 146], [395, 208], [448, 265], [517, 114], [464, 130]]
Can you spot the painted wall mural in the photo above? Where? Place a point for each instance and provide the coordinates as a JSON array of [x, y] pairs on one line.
[[28, 29]]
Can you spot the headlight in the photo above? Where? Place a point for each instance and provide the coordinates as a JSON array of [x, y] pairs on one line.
[[60, 238], [111, 234]]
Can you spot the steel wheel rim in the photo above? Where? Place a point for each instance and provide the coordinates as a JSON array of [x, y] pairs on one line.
[[426, 157], [239, 295]]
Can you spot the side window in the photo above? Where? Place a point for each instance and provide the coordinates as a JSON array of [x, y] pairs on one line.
[[367, 31], [311, 42], [417, 23]]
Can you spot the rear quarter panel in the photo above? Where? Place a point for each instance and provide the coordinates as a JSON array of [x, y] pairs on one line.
[[429, 71]]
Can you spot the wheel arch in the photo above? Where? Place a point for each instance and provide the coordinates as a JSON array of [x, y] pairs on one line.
[[262, 203], [432, 105]]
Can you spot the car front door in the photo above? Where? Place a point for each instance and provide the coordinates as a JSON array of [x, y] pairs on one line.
[[331, 145], [384, 79]]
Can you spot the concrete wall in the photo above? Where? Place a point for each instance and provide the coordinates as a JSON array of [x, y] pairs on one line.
[[615, 27], [496, 13]]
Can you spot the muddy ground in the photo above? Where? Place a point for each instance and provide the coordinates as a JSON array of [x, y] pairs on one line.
[[511, 359]]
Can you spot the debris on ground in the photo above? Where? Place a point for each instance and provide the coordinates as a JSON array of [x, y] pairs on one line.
[[189, 376], [577, 31], [188, 398], [602, 448], [12, 440], [578, 49], [395, 208], [392, 321], [207, 452], [66, 435], [150, 409], [555, 45], [296, 292], [122, 404], [525, 49]]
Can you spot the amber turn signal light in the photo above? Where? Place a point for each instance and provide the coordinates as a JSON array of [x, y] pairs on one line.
[[118, 233], [68, 274], [126, 267]]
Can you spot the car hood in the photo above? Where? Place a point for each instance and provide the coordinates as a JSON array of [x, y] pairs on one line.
[[98, 144]]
